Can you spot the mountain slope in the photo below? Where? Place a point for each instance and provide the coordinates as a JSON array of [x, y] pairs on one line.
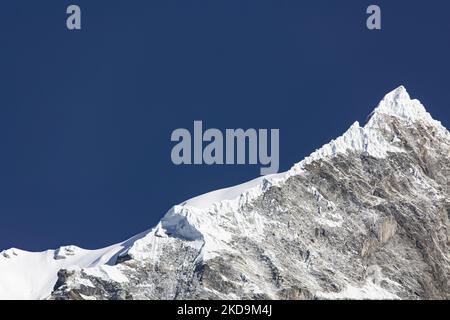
[[32, 275], [365, 216]]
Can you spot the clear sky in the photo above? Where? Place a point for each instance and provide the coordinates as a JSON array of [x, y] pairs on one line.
[[86, 116]]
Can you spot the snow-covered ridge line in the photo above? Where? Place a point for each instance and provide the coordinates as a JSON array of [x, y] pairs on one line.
[[195, 218], [396, 103]]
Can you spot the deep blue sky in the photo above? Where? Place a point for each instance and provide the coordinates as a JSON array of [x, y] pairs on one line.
[[86, 116]]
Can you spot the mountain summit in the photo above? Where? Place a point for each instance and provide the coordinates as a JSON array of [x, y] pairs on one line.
[[364, 217]]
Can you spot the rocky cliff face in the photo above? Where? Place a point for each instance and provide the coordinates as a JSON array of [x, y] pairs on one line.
[[366, 216]]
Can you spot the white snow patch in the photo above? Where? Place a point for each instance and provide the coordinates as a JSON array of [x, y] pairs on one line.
[[85, 297], [369, 291], [107, 273]]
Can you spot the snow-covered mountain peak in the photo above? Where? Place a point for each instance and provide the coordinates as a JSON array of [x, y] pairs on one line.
[[398, 94], [368, 139], [339, 225], [398, 103], [209, 229], [193, 219]]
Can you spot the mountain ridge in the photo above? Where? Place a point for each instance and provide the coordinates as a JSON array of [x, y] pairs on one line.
[[206, 227]]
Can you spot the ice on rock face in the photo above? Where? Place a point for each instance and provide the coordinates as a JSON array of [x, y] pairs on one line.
[[366, 139]]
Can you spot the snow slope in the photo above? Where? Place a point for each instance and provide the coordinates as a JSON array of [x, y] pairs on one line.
[[32, 275]]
